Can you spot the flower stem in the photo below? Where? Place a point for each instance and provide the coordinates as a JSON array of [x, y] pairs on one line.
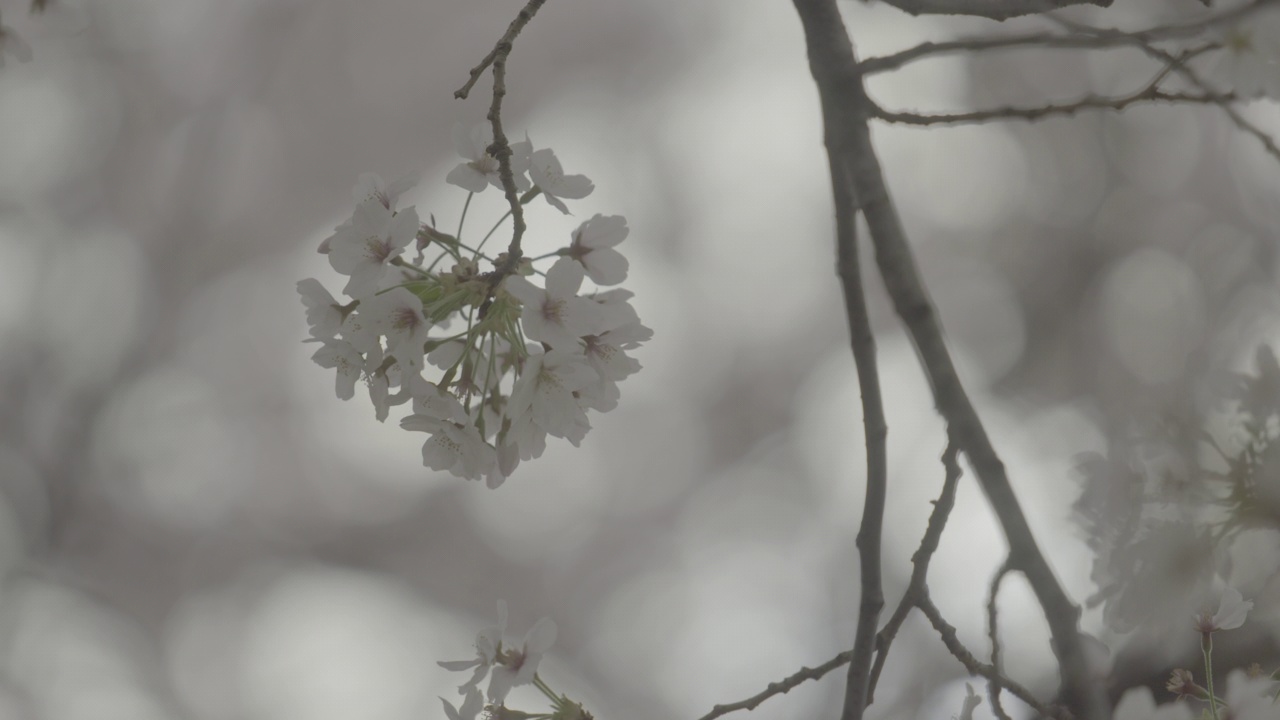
[[463, 218], [1206, 645], [492, 230], [539, 683]]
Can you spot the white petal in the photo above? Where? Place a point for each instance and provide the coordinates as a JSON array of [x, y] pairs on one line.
[[574, 187], [527, 293], [467, 178], [564, 278], [540, 637], [606, 266], [1232, 610]]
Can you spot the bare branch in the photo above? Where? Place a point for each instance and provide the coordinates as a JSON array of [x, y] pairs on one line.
[[781, 687], [993, 632], [917, 587], [1032, 114], [924, 50], [991, 9], [1082, 37], [845, 102]]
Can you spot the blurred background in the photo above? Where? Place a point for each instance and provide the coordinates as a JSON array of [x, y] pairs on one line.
[[193, 527]]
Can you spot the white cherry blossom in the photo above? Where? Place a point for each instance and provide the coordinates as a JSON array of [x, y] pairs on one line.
[[601, 395], [374, 238], [488, 642], [546, 388], [347, 360], [455, 444], [455, 447], [397, 314], [508, 454], [528, 439], [616, 313], [517, 666], [555, 314], [1231, 613], [481, 169], [370, 186], [1251, 698], [549, 176], [593, 244]]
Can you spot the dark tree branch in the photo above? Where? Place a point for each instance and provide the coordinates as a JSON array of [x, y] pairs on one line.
[[991, 9], [875, 432], [845, 102]]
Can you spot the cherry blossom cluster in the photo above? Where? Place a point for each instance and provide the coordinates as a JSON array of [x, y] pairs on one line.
[[1248, 62], [515, 354], [1163, 514]]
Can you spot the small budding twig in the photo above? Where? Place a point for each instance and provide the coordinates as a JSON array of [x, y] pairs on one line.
[[503, 48], [501, 148], [917, 587], [781, 687], [1084, 37], [993, 632], [1092, 102]]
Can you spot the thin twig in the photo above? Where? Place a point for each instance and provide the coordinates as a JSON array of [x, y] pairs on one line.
[[1082, 37], [917, 586], [501, 148], [993, 632], [1032, 114], [781, 687], [979, 668], [1180, 67], [503, 48]]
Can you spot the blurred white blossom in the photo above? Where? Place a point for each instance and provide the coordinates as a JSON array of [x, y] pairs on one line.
[[549, 176], [1249, 62]]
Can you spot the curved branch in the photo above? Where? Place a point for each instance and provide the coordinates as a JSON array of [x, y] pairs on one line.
[[990, 9]]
